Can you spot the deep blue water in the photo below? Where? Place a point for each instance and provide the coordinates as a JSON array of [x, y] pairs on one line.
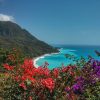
[[56, 60]]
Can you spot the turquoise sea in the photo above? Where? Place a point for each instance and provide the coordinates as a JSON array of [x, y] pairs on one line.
[[57, 60]]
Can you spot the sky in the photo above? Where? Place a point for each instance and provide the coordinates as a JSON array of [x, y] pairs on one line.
[[72, 22]]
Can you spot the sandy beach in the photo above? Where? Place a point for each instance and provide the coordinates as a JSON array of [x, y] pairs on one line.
[[37, 58]]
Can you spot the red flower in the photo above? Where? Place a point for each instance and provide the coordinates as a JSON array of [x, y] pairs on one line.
[[23, 85], [72, 73], [39, 71], [23, 78], [17, 78], [66, 69], [46, 71], [8, 67], [56, 72], [28, 64], [42, 71], [31, 79], [48, 83]]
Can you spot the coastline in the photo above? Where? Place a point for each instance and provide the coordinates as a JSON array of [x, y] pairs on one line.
[[42, 56]]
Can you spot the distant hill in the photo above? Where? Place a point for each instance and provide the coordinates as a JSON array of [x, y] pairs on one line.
[[13, 36]]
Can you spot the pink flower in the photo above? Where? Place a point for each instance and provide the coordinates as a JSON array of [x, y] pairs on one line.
[[67, 89], [30, 98]]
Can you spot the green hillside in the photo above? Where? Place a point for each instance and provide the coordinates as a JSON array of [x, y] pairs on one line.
[[13, 36]]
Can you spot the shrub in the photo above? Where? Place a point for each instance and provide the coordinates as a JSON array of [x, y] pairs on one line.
[[23, 81]]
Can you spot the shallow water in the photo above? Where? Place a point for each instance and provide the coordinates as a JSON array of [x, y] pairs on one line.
[[57, 60]]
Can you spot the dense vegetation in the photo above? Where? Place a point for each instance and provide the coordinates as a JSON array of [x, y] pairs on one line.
[[20, 80], [13, 36]]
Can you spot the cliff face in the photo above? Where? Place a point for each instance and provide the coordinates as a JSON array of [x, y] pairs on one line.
[[13, 36]]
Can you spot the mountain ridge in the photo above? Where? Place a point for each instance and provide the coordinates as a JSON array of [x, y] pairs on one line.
[[12, 36]]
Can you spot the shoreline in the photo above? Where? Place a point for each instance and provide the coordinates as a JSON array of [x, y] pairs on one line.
[[42, 56]]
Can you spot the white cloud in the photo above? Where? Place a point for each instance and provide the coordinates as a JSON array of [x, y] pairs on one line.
[[6, 18]]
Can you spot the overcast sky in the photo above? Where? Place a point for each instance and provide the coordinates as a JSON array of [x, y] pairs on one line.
[[56, 21]]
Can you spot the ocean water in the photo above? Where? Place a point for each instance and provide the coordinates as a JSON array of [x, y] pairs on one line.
[[57, 60]]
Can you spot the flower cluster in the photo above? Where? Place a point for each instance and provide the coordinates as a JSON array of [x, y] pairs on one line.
[[48, 83], [8, 67], [96, 68], [88, 79], [29, 73], [79, 86], [56, 72], [68, 82]]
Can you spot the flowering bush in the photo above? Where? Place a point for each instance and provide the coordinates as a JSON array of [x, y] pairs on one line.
[[26, 82], [37, 82], [87, 84]]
